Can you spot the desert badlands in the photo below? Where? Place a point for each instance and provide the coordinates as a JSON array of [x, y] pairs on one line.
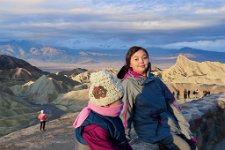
[[25, 90]]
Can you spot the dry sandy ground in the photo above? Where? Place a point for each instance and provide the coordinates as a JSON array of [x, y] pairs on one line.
[[58, 136]]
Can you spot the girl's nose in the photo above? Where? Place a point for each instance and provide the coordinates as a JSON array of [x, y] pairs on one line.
[[141, 61]]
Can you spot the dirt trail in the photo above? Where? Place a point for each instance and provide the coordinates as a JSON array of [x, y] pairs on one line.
[[58, 135]]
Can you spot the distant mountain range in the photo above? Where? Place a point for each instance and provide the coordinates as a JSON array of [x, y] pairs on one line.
[[38, 54]]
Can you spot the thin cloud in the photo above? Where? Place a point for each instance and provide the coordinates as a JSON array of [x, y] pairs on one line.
[[59, 66], [95, 54], [165, 58], [219, 45], [174, 57], [50, 51], [219, 10]]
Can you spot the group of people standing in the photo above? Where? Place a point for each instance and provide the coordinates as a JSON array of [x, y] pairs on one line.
[[134, 99], [187, 94]]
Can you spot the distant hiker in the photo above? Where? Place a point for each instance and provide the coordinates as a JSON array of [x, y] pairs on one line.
[[185, 94], [178, 94], [98, 125], [196, 93], [150, 106], [189, 92], [42, 118], [205, 93], [173, 93]]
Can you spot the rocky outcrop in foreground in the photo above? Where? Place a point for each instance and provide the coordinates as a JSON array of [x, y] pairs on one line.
[[206, 116]]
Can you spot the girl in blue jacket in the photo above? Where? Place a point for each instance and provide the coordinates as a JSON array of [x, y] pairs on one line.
[[150, 106]]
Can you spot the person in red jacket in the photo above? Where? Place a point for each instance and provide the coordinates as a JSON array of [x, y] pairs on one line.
[[42, 117]]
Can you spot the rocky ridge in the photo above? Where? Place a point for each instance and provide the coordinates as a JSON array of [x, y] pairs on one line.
[[187, 71]]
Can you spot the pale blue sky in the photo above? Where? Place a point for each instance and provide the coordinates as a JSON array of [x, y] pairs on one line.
[[119, 24]]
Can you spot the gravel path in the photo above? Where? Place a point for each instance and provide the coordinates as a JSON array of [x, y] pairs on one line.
[[58, 136]]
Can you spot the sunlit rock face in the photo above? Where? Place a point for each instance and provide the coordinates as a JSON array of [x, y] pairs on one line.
[[187, 71], [15, 69]]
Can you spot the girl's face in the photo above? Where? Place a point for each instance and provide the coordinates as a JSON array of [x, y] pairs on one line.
[[139, 62]]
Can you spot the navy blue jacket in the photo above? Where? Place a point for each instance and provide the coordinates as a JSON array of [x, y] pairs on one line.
[[113, 124]]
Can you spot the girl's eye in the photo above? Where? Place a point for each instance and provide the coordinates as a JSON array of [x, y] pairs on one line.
[[136, 59]]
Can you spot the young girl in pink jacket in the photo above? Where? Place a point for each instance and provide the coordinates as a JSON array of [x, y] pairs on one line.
[[98, 126]]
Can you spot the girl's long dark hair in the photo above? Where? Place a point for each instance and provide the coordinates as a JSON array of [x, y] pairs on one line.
[[122, 72]]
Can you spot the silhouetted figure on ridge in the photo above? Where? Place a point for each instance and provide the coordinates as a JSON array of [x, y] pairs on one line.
[[205, 93], [178, 94], [185, 94], [173, 93], [189, 92], [196, 93]]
